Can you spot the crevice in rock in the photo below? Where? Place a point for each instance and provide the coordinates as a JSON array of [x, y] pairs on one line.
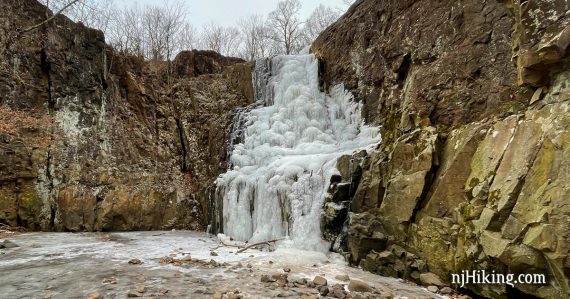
[[126, 93], [184, 152], [404, 69], [388, 24], [429, 180], [49, 178], [46, 69], [48, 168], [52, 217], [322, 73], [502, 215], [381, 194]]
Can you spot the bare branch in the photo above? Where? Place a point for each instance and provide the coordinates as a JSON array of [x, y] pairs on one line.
[[257, 244], [52, 17]]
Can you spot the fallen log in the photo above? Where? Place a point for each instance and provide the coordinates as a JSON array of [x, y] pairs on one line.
[[225, 245], [257, 244]]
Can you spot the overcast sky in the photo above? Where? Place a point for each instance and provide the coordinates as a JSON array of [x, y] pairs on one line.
[[228, 12]]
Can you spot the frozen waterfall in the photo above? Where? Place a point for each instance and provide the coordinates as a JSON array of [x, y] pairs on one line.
[[284, 151]]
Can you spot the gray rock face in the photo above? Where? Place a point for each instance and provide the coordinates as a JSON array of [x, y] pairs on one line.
[[471, 173]]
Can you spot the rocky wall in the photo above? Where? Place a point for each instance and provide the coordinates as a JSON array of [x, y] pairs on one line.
[[91, 139], [472, 97]]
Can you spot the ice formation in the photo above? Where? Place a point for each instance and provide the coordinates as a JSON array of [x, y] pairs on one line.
[[284, 151]]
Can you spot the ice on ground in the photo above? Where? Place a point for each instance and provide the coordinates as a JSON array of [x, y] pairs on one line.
[[67, 265]]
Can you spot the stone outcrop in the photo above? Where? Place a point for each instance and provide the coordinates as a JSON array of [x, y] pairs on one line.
[[91, 139], [473, 101], [337, 203], [199, 62]]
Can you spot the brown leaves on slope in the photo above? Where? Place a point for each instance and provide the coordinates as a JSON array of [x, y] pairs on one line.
[[30, 128]]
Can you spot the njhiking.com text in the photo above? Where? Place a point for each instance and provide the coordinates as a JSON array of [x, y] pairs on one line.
[[490, 277]]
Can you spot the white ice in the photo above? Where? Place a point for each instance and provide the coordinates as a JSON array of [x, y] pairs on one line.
[[281, 170]]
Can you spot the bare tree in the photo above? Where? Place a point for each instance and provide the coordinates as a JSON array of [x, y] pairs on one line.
[[187, 38], [212, 35], [224, 40], [129, 31], [154, 33], [255, 37], [318, 21], [286, 25], [171, 25], [159, 32], [94, 13], [232, 41]]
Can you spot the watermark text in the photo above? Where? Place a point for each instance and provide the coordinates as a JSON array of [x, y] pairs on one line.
[[490, 277]]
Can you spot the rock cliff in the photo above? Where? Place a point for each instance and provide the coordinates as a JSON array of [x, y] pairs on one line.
[[473, 100], [91, 139]]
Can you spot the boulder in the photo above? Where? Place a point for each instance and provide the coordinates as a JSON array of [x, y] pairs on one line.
[[359, 286], [320, 281], [324, 291], [135, 262], [430, 279], [94, 295], [446, 290]]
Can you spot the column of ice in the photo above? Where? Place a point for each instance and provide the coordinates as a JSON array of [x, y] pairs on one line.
[[281, 169]]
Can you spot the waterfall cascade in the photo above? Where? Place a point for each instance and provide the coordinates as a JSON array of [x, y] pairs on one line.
[[283, 153]]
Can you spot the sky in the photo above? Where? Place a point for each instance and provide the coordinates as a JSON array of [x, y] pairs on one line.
[[228, 12]]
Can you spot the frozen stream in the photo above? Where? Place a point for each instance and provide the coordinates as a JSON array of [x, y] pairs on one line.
[[66, 265]]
